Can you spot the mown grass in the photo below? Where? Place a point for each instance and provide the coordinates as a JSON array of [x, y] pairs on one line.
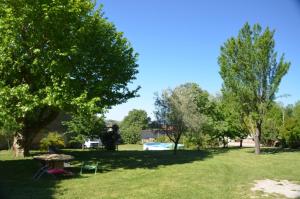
[[132, 173]]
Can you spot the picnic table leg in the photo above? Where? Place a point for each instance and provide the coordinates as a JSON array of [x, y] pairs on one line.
[[40, 172]]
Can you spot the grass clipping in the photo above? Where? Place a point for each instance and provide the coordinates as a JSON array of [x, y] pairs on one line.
[[283, 187]]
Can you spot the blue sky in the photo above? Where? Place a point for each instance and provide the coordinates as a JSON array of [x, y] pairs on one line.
[[179, 41]]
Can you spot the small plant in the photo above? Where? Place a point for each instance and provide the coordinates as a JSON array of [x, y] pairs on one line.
[[53, 140]]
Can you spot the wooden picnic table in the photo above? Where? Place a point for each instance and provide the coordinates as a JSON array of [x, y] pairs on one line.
[[54, 161]]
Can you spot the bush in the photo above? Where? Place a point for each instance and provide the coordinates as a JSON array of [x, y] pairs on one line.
[[131, 135], [75, 141], [290, 133], [198, 141], [53, 140], [132, 125]]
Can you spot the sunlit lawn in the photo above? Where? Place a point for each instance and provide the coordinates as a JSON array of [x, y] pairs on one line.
[[132, 173]]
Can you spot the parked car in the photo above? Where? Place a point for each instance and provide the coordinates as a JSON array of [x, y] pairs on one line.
[[94, 143]]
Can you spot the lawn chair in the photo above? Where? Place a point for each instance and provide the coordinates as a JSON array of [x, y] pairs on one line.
[[90, 167]]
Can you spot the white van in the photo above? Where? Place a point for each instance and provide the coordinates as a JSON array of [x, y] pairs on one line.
[[95, 143]]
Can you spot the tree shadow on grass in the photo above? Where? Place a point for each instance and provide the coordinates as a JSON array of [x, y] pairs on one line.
[[16, 180], [141, 159], [16, 174], [274, 150]]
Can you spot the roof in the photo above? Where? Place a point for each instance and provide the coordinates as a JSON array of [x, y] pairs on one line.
[[151, 133]]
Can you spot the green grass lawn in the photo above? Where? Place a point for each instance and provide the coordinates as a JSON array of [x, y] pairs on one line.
[[132, 173]]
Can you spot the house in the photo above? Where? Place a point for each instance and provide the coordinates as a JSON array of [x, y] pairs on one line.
[[149, 135]]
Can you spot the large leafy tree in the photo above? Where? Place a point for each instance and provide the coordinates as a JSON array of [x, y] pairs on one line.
[[133, 124], [229, 119], [225, 120], [58, 55], [183, 110], [197, 113], [252, 73]]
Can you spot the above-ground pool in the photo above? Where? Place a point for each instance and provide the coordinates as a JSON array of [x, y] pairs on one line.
[[158, 146]]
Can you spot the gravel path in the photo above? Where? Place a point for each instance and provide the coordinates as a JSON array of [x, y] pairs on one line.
[[283, 187]]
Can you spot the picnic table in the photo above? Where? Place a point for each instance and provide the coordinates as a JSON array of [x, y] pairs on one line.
[[54, 161], [52, 164]]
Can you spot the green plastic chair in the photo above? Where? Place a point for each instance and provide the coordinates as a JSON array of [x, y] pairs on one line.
[[90, 167]]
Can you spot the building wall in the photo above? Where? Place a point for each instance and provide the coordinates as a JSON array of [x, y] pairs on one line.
[[53, 126]]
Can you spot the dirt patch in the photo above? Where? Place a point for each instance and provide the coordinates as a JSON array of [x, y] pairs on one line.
[[283, 187]]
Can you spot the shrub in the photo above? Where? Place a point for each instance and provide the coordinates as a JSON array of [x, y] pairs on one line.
[[75, 141], [290, 133], [131, 135], [199, 141], [132, 125], [53, 140]]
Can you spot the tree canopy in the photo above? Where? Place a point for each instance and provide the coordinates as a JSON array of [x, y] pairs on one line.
[[132, 125], [59, 55], [182, 110], [252, 73]]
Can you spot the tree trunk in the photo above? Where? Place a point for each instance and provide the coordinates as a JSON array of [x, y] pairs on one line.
[[26, 149], [241, 143], [21, 145], [257, 141], [175, 147], [23, 139], [224, 142], [17, 148]]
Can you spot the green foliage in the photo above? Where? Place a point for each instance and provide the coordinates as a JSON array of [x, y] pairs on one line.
[[227, 119], [7, 129], [170, 107], [162, 138], [131, 134], [53, 139], [184, 110], [59, 55], [290, 130], [84, 125], [75, 140], [296, 110], [251, 73], [271, 126], [7, 135], [290, 133], [132, 125], [202, 141], [196, 110]]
